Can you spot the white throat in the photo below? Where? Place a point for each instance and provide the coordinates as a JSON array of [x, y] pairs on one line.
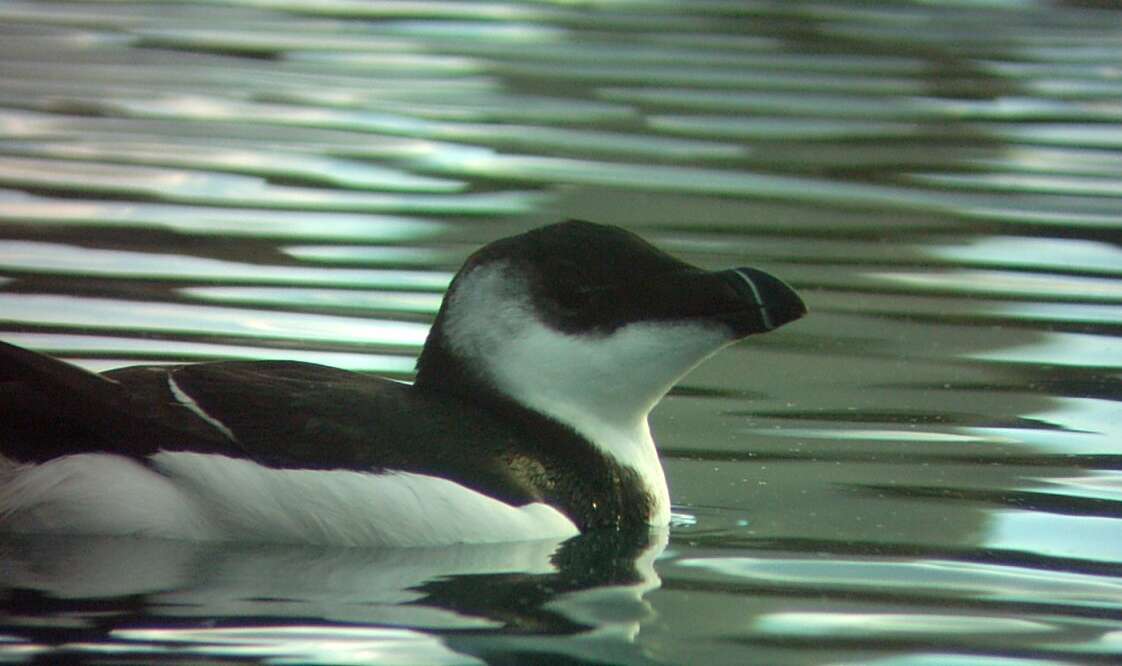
[[602, 386]]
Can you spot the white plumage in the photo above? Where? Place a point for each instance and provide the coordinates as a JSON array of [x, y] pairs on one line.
[[211, 497]]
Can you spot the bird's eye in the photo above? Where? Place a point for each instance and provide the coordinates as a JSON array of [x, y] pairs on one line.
[[568, 286], [573, 299]]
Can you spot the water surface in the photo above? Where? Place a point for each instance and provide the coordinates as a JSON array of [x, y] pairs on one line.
[[926, 470]]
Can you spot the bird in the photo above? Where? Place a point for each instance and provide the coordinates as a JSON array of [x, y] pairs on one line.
[[527, 418]]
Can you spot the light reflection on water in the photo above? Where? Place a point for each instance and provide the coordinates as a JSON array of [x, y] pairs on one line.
[[278, 164], [153, 316], [209, 188], [52, 258], [1070, 349], [214, 221], [923, 471], [938, 578], [102, 352], [290, 644], [1084, 537], [1024, 285]]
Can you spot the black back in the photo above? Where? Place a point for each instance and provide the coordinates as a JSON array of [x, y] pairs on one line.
[[305, 416]]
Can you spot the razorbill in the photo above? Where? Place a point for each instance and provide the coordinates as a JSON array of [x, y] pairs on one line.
[[527, 419]]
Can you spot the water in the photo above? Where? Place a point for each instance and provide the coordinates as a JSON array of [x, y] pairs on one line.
[[926, 470]]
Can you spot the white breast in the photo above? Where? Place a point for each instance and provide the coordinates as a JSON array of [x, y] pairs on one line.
[[601, 385]]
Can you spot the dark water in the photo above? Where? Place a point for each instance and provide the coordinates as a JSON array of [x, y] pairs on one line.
[[924, 471]]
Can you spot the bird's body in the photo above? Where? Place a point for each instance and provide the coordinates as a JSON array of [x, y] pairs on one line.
[[528, 418]]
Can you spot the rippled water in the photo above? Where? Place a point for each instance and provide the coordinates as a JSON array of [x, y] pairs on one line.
[[924, 471]]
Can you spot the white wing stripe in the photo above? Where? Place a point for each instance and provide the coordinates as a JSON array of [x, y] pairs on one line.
[[189, 402]]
